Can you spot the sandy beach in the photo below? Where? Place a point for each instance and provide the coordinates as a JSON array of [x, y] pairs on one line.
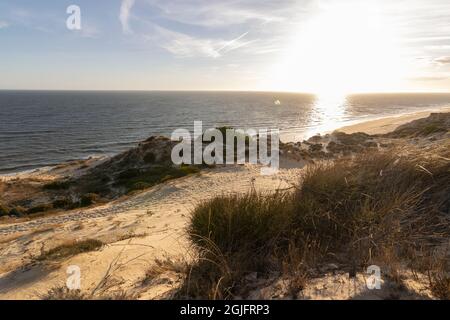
[[388, 124], [137, 230]]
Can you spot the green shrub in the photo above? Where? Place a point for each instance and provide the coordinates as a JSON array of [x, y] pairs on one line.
[[62, 203], [4, 210], [189, 169], [98, 185], [17, 211], [149, 157], [248, 222], [57, 185], [89, 199], [40, 208], [432, 128], [143, 179], [235, 234], [166, 178], [238, 135], [141, 186], [129, 173]]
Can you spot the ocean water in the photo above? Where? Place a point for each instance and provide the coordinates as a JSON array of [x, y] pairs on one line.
[[41, 128]]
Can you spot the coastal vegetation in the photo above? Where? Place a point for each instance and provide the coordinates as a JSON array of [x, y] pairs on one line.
[[129, 172], [386, 208], [70, 249]]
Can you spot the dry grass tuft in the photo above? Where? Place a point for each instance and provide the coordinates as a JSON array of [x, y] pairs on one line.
[[70, 249], [63, 293], [162, 266]]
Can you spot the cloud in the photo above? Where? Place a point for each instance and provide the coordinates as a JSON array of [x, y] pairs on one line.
[[221, 13], [183, 45], [4, 24], [234, 44], [430, 78], [89, 31], [202, 28], [443, 60], [438, 47], [125, 9], [187, 46]]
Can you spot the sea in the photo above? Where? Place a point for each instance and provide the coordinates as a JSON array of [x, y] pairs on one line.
[[44, 128]]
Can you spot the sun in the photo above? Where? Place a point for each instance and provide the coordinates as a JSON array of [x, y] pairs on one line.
[[343, 48]]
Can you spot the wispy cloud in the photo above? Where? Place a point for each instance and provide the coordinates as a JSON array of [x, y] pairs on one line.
[[443, 60], [430, 78], [4, 24], [234, 44], [124, 16], [89, 31], [187, 46], [202, 28], [212, 13]]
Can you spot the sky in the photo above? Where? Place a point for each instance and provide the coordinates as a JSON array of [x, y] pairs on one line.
[[319, 46]]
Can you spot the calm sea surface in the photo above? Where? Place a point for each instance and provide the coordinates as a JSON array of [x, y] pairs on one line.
[[40, 128]]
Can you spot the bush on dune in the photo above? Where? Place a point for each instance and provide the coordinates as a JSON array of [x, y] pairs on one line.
[[63, 203], [89, 199], [70, 249], [17, 211], [40, 208], [57, 185], [235, 234], [4, 210], [353, 211], [246, 222], [135, 179]]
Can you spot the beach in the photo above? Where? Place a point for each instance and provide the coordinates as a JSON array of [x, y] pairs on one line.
[[138, 230], [390, 123]]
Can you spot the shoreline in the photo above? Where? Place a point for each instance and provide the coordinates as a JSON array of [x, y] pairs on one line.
[[389, 123], [381, 125]]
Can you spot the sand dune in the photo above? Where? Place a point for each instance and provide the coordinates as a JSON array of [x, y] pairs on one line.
[[153, 220], [139, 229]]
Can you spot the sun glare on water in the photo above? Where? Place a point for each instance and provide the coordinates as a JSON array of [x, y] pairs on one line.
[[342, 49]]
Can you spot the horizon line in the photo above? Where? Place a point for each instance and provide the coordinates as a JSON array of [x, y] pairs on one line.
[[226, 90]]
